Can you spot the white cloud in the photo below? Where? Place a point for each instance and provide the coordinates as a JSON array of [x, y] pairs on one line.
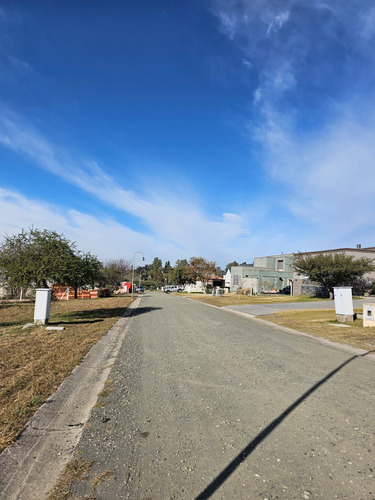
[[325, 181], [229, 23], [176, 228], [20, 66], [317, 136], [328, 177], [218, 240], [278, 22], [101, 236]]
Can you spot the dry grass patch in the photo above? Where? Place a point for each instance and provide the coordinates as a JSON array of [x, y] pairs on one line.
[[234, 299], [104, 476], [319, 324], [108, 388], [34, 362], [75, 470]]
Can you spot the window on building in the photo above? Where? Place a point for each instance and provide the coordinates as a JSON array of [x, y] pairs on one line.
[[235, 279], [280, 265]]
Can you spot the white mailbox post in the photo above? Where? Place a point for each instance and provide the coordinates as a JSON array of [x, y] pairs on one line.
[[42, 305], [343, 303], [368, 315]]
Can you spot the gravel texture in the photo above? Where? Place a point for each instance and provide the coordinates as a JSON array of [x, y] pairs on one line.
[[203, 403]]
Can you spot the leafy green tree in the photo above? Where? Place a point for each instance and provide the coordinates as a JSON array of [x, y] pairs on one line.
[[178, 275], [115, 271], [81, 270], [167, 273], [142, 274], [37, 258], [33, 258], [331, 270], [156, 272], [200, 269], [181, 262]]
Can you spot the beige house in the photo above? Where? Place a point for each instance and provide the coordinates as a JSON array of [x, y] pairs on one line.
[[301, 284]]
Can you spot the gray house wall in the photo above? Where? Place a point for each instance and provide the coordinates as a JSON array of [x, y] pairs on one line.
[[273, 272]]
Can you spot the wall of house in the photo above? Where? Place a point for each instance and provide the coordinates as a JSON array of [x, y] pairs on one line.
[[275, 272], [272, 262], [260, 279]]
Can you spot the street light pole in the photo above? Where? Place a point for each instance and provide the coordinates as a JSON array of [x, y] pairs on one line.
[[143, 258]]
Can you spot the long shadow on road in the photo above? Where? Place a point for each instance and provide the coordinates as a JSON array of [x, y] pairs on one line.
[[97, 315], [224, 475], [143, 310]]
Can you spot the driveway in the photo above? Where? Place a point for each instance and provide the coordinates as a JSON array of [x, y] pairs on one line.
[[265, 309]]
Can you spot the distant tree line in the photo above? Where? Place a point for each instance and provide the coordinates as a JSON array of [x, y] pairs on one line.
[[39, 258], [158, 275]]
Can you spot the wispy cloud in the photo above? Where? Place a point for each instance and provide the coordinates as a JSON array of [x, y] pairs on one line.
[[308, 42], [220, 240], [11, 65], [329, 175], [183, 228], [367, 19], [313, 98], [278, 22], [20, 212]]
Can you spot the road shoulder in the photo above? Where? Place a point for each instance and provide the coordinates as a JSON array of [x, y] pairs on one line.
[[48, 441]]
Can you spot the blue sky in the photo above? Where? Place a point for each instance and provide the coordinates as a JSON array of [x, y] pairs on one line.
[[227, 129]]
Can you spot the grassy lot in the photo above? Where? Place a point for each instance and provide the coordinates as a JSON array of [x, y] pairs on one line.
[[34, 361], [319, 323]]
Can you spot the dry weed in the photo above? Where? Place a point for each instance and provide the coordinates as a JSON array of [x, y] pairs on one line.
[[321, 323], [73, 471], [34, 361]]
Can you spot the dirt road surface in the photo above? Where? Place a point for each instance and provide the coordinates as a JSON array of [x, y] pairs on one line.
[[205, 404]]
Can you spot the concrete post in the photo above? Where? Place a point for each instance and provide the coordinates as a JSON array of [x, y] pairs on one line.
[[344, 303], [42, 305]]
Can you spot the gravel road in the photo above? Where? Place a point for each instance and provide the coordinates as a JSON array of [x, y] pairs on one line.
[[207, 404]]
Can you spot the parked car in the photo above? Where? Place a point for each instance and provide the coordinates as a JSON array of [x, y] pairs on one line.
[[173, 288]]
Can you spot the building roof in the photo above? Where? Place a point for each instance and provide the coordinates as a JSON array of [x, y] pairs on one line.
[[347, 249]]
